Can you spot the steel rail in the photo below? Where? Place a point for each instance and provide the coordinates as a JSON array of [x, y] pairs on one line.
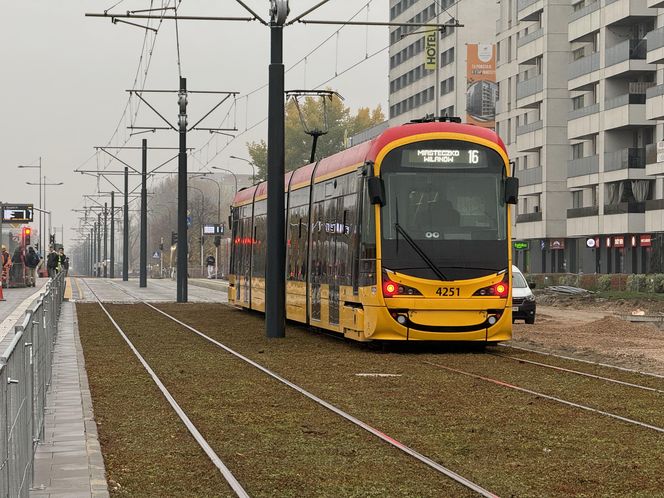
[[381, 435], [590, 362], [577, 372], [546, 396], [225, 471]]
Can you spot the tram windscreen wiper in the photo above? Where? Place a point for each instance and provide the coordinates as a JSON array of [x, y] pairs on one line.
[[420, 252]]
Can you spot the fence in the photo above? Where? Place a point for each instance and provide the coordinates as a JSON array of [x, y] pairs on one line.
[[25, 374]]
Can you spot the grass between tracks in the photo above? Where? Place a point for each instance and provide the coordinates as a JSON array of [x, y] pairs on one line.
[[512, 443], [275, 441], [280, 444]]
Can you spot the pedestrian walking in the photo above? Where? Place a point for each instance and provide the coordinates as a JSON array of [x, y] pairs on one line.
[[52, 263], [210, 265], [6, 265], [63, 262], [32, 261]]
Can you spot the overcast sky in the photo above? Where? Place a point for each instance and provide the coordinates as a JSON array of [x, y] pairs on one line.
[[64, 78]]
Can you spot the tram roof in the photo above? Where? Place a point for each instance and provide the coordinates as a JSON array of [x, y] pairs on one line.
[[366, 151]]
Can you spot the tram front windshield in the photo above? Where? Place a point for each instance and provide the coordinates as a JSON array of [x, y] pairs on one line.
[[444, 204]]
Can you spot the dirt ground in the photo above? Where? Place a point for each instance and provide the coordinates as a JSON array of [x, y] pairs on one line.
[[594, 328]]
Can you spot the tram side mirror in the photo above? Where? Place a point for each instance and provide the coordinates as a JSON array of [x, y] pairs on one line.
[[376, 189], [511, 190]]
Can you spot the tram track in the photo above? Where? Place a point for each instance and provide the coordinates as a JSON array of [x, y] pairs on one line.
[[202, 442], [512, 407], [430, 463]]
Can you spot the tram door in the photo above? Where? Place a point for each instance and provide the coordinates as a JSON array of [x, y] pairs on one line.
[[244, 277], [336, 233], [316, 264]]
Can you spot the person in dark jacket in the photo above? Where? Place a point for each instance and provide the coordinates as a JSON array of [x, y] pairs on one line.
[[32, 261], [52, 263]]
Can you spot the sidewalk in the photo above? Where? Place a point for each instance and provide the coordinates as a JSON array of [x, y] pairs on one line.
[[17, 301], [68, 461]]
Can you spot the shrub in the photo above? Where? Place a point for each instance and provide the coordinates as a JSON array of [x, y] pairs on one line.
[[637, 283], [604, 282], [658, 283], [570, 279]]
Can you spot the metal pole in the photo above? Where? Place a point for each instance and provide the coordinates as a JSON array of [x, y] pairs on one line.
[[49, 235], [105, 238], [98, 241], [41, 216], [275, 298], [92, 250], [143, 271], [182, 196], [125, 233], [112, 262]]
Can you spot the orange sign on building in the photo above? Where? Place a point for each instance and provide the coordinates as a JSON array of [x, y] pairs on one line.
[[481, 87]]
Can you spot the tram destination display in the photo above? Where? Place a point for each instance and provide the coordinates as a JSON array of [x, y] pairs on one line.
[[445, 158], [17, 213]]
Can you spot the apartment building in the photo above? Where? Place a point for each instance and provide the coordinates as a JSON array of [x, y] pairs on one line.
[[574, 80], [421, 86]]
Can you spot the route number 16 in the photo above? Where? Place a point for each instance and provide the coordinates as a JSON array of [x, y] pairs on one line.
[[473, 156]]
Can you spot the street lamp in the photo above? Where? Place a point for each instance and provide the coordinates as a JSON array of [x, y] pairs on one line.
[[228, 171], [216, 260], [201, 220], [41, 230], [251, 163], [44, 183]]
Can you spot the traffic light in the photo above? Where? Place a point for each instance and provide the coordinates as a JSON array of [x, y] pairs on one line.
[[27, 231], [217, 240], [51, 239], [174, 238]]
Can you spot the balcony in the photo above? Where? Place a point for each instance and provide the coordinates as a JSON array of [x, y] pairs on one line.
[[578, 14], [655, 102], [583, 212], [655, 46], [525, 39], [583, 122], [532, 176], [530, 136], [626, 11], [584, 21], [624, 159], [529, 217], [655, 205], [529, 10], [529, 87], [583, 66], [530, 47], [625, 99], [654, 219], [584, 166], [625, 112], [625, 208], [626, 50], [583, 111], [655, 159]]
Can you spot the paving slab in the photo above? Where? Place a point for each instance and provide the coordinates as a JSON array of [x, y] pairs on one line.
[[68, 461], [157, 291], [16, 302]]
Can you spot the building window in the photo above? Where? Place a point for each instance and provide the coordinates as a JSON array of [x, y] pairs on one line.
[[447, 86], [577, 151], [577, 199]]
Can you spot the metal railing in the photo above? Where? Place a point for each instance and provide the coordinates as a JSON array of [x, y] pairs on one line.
[[583, 111], [626, 50], [584, 11], [25, 374], [583, 166], [633, 157], [584, 65], [655, 39], [529, 87]]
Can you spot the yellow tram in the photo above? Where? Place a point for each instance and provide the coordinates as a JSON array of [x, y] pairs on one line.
[[404, 237]]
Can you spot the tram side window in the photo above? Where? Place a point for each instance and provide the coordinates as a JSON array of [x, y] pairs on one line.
[[298, 233], [367, 236], [317, 234], [259, 239], [232, 267]]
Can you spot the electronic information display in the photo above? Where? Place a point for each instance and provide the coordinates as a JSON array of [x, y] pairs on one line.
[[17, 213], [445, 158]]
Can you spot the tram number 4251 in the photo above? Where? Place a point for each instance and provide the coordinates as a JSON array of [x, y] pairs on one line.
[[448, 291]]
